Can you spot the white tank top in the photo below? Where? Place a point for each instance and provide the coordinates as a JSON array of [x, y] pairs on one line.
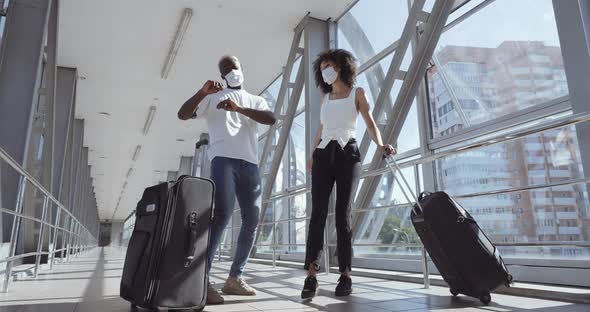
[[339, 119]]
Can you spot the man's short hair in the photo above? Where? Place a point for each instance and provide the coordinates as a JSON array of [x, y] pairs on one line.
[[225, 62]]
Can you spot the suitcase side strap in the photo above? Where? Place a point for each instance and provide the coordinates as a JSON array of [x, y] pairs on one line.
[[192, 239]]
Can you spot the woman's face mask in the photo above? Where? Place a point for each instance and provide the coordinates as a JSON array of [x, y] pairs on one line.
[[330, 75], [235, 78]]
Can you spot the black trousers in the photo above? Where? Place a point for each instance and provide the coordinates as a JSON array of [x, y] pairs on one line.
[[340, 166]]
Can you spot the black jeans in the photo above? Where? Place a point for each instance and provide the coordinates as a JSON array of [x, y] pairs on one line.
[[341, 166]]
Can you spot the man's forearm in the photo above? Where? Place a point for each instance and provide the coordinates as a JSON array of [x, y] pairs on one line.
[[188, 108], [263, 117]]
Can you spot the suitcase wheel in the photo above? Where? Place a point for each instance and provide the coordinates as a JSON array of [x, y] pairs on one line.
[[509, 279], [485, 298], [454, 293]]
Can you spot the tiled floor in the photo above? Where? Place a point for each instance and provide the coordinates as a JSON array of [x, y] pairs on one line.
[[91, 283]]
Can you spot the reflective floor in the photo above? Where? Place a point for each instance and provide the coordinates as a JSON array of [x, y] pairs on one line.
[[91, 283]]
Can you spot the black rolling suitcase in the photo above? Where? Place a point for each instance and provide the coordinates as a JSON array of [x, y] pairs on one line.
[[467, 260], [166, 262]]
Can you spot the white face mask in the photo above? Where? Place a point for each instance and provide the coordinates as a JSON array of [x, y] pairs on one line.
[[329, 75], [235, 78]]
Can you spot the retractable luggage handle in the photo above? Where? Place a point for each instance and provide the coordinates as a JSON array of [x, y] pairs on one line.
[[389, 160]]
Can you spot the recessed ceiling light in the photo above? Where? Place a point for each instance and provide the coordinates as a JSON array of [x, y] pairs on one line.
[[103, 157], [136, 153], [104, 113], [176, 43], [180, 140], [82, 77], [149, 119]]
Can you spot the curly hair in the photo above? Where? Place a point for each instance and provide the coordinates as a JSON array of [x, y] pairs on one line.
[[344, 60]]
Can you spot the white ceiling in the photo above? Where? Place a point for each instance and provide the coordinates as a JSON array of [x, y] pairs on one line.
[[120, 47]]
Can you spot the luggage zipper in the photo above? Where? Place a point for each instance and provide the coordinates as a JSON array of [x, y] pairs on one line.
[[165, 237]]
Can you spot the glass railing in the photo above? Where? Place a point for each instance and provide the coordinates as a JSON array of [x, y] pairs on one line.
[[51, 225]]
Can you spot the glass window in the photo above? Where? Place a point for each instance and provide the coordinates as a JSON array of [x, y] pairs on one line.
[[371, 80], [265, 236], [271, 93], [296, 150], [541, 215], [551, 156], [281, 209], [390, 226], [3, 20], [484, 72], [371, 26], [388, 191], [298, 206]]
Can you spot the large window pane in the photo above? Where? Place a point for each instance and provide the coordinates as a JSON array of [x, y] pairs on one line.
[[484, 72], [271, 93], [298, 205], [558, 213], [551, 156], [554, 214], [389, 192], [371, 81], [371, 26], [385, 226]]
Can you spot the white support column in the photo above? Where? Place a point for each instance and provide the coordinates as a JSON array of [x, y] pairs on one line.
[[65, 86], [75, 179], [20, 77], [573, 26], [316, 38]]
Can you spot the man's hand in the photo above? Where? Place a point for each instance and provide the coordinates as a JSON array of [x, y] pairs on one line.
[[229, 106], [211, 87]]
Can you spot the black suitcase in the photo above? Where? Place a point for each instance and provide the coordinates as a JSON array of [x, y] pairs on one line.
[[467, 260], [166, 261]]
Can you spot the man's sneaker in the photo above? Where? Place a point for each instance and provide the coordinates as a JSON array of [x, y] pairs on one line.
[[237, 286], [213, 297], [310, 288], [344, 287]]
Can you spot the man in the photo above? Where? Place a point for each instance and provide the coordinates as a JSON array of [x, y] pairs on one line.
[[232, 116]]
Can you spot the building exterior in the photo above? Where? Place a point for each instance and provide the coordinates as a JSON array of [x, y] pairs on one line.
[[472, 85]]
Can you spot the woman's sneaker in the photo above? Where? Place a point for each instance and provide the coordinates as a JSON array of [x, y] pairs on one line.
[[344, 287], [310, 287]]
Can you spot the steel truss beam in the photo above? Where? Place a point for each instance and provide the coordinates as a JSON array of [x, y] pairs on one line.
[[287, 121], [409, 88]]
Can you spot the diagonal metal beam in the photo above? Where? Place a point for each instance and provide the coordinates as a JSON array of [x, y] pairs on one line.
[[383, 102], [283, 90], [402, 46], [283, 138], [282, 143], [403, 103]]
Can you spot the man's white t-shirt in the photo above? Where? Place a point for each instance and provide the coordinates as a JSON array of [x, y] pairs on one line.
[[232, 134]]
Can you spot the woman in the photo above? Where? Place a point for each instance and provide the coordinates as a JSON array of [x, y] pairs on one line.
[[336, 160]]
